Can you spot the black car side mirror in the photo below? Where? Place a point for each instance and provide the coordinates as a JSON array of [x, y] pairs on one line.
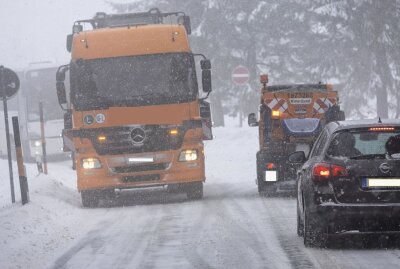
[[297, 157]]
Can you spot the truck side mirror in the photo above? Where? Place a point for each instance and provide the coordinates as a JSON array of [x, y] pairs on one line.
[[69, 43], [252, 120], [297, 157], [60, 86], [68, 119], [206, 122], [60, 76], [206, 80], [206, 75], [62, 95], [205, 64]]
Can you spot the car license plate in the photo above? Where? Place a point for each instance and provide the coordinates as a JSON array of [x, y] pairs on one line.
[[380, 182], [271, 176]]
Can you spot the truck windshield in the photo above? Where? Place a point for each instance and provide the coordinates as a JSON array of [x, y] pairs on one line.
[[133, 81]]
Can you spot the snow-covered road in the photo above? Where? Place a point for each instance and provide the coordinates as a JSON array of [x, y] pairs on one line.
[[232, 227]]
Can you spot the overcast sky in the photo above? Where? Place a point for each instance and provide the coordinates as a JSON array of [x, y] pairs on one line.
[[36, 30]]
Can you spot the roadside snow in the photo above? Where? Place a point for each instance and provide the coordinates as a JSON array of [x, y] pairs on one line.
[[38, 232]]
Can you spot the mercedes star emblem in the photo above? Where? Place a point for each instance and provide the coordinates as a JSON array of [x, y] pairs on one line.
[[138, 135]]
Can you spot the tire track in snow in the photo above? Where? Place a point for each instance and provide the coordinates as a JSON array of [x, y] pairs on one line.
[[231, 239], [296, 252], [92, 250]]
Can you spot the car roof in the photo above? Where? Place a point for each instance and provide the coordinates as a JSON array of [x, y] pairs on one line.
[[355, 124]]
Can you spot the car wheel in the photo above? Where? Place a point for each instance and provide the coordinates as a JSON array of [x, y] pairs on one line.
[[90, 198], [314, 231], [300, 225], [195, 191]]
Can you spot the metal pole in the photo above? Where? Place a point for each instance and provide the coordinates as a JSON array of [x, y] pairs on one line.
[[23, 181], [43, 138], [10, 169]]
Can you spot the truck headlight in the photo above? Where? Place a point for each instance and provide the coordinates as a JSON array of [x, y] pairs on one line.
[[37, 143], [188, 155], [91, 163]]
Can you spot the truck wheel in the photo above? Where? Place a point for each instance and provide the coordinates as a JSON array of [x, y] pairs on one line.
[[73, 161], [261, 186], [195, 191], [90, 198], [315, 234]]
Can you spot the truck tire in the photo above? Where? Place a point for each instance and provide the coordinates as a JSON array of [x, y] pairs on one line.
[[195, 191], [90, 198], [73, 159], [261, 185]]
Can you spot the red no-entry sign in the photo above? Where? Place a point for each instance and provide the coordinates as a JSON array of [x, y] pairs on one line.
[[240, 75]]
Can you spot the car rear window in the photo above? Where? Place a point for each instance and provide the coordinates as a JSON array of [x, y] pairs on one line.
[[365, 142]]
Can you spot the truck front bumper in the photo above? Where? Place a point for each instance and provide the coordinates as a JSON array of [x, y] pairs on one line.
[[127, 171]]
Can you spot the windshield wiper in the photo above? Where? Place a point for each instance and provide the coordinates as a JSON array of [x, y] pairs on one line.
[[368, 156]]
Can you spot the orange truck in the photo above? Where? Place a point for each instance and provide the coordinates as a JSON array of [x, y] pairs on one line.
[[133, 113], [290, 119]]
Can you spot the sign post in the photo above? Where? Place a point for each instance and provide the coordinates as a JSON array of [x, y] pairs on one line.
[[23, 181], [9, 85], [240, 76]]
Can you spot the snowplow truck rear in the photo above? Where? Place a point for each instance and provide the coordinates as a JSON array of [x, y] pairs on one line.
[[290, 119]]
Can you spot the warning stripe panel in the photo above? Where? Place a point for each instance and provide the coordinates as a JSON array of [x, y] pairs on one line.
[[279, 105], [273, 103], [320, 105]]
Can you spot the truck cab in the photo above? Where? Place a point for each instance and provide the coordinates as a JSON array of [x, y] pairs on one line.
[[135, 117]]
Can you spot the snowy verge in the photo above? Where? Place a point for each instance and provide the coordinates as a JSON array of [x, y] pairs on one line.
[[38, 232]]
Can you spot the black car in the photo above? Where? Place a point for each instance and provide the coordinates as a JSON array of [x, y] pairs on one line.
[[350, 180]]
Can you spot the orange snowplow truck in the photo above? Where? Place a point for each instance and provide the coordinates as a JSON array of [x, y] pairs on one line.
[[133, 116], [291, 117]]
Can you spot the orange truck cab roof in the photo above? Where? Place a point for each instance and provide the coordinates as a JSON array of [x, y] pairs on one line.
[[130, 41]]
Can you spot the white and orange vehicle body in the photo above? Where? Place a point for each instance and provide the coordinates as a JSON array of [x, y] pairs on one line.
[[291, 117], [135, 112]]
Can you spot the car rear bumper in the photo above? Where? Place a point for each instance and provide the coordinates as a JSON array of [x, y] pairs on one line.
[[364, 217], [284, 186], [362, 210]]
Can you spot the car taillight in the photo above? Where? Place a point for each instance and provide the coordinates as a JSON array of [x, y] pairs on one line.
[[339, 171], [324, 171], [321, 172], [270, 166]]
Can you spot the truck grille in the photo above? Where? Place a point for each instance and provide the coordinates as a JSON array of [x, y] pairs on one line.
[[134, 139], [141, 178], [139, 168]]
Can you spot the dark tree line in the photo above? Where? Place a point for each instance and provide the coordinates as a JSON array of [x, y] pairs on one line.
[[352, 43]]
